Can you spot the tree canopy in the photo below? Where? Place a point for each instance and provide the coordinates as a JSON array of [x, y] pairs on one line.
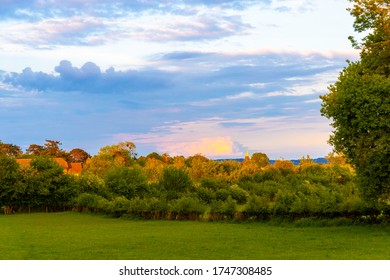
[[359, 105]]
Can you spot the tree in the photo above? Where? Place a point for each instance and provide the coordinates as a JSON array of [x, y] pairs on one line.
[[78, 155], [35, 150], [260, 159], [175, 181], [373, 16], [285, 166], [121, 154], [359, 103], [10, 187], [50, 148], [129, 182], [153, 169], [52, 187], [10, 150], [155, 156]]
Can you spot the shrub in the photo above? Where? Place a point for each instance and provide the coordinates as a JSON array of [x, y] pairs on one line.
[[87, 202], [119, 206], [238, 194], [91, 183], [127, 182], [223, 209], [187, 208], [204, 194], [175, 181], [285, 166], [257, 207], [222, 194]]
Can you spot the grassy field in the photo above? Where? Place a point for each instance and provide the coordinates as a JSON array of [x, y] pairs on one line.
[[74, 236]]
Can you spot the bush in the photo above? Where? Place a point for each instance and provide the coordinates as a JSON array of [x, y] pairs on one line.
[[206, 195], [87, 202], [223, 209], [222, 194], [175, 181], [91, 183], [127, 182], [257, 207], [238, 194], [187, 208], [213, 184], [119, 206]]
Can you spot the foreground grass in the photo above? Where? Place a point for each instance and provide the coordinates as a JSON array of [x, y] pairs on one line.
[[87, 237]]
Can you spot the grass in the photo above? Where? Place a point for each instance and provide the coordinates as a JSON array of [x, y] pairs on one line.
[[74, 236]]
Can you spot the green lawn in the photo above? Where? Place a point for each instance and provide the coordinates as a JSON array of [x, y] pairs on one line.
[[77, 236]]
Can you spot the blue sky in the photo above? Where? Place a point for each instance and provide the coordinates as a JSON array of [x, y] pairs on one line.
[[179, 77]]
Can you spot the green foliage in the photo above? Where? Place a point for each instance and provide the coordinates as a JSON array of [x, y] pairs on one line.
[[121, 154], [222, 194], [213, 184], [359, 104], [48, 185], [206, 195], [11, 189], [238, 194], [373, 16], [175, 181], [260, 159], [125, 181], [88, 202], [223, 209], [119, 206], [93, 184], [257, 207], [187, 208]]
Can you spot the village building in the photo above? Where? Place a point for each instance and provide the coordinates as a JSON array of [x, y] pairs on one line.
[[74, 168], [247, 158]]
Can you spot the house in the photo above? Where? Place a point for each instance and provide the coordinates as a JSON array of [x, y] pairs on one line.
[[74, 168]]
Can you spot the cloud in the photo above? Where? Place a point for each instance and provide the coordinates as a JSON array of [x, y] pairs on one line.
[[87, 79], [89, 31], [210, 147], [191, 28], [36, 9], [211, 101], [196, 83], [49, 24], [292, 136], [60, 31]]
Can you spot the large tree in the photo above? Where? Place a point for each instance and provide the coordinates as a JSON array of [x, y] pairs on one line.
[[121, 154], [359, 101], [50, 148], [79, 155], [10, 150]]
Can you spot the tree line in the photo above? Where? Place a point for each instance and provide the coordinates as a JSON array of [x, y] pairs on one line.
[[118, 183]]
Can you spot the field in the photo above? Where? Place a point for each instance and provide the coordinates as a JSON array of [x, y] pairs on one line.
[[74, 236]]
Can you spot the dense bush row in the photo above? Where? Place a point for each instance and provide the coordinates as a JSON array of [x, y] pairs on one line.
[[197, 189]]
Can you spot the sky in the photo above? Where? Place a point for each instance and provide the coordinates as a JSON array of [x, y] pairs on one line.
[[213, 77]]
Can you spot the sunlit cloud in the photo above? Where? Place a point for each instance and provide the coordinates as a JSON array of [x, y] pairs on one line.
[[292, 136]]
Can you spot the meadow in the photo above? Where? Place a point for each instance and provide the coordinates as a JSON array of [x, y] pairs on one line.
[[81, 236]]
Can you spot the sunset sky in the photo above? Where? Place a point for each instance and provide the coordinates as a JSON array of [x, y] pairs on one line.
[[179, 77]]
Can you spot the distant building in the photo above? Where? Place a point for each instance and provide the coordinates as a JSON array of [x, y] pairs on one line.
[[73, 168], [247, 158]]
